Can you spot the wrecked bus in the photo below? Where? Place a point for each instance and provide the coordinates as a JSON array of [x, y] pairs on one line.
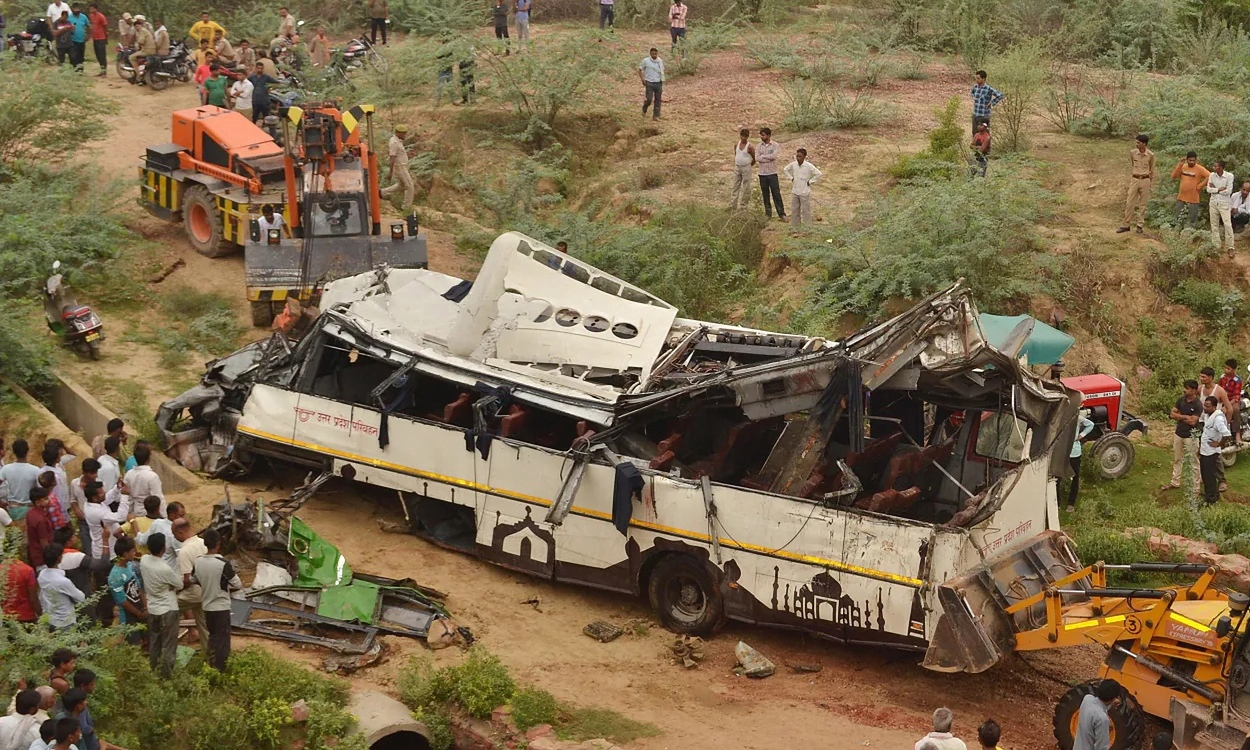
[[555, 420]]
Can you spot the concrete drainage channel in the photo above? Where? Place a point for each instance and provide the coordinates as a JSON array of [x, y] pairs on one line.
[[386, 723]]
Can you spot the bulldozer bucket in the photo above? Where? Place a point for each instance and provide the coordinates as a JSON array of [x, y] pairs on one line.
[[974, 628]]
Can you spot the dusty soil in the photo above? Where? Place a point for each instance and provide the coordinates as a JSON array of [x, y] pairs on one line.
[[861, 696]]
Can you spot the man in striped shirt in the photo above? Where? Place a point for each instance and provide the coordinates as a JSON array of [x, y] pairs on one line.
[[677, 23]]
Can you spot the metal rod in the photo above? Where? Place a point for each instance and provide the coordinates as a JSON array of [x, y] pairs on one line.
[[1121, 593], [1162, 567], [1172, 674]]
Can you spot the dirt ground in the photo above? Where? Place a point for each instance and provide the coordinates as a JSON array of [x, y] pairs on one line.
[[861, 696]]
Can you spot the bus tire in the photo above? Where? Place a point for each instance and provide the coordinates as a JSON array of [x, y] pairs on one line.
[[684, 594]]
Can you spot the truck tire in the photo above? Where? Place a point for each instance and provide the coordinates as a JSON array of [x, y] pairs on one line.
[[685, 596], [203, 223], [1128, 723], [1113, 454], [262, 314]]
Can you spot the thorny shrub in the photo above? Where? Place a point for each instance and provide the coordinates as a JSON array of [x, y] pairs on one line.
[[533, 706]]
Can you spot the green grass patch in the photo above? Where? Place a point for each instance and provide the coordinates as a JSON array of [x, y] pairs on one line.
[[132, 406], [589, 723]]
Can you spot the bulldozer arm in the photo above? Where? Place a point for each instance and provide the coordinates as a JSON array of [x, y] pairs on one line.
[[975, 627]]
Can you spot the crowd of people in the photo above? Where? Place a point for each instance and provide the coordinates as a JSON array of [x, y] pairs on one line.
[[108, 530], [1207, 416]]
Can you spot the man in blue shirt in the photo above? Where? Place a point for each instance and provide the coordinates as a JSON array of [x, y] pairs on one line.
[[124, 586], [261, 82], [78, 37], [983, 98]]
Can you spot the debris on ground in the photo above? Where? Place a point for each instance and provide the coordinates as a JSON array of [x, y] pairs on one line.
[[688, 650], [603, 631], [752, 663], [805, 668], [346, 664], [535, 602]]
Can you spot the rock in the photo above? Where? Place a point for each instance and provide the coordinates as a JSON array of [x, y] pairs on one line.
[[805, 668], [299, 711], [1143, 372], [751, 662], [442, 634], [547, 742], [502, 716], [542, 730]]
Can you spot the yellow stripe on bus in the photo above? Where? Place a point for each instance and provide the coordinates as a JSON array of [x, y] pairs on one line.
[[464, 483]]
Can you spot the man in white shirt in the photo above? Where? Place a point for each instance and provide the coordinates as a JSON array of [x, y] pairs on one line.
[[1220, 188], [1240, 207], [55, 10], [19, 478], [54, 459], [57, 595], [110, 472], [802, 174], [1214, 430], [161, 584], [100, 517], [191, 596], [941, 737], [241, 95], [19, 729], [651, 73], [164, 526], [143, 480]]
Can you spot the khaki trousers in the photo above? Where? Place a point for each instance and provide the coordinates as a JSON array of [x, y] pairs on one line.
[[741, 196], [201, 625], [800, 210], [405, 182], [1135, 204], [1182, 447], [1221, 217]]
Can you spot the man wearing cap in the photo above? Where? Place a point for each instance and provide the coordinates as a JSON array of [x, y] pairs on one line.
[[126, 30], [145, 46], [399, 160]]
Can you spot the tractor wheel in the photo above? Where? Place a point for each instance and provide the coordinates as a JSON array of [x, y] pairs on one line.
[[685, 596], [1128, 723], [262, 314], [1113, 455], [203, 223]]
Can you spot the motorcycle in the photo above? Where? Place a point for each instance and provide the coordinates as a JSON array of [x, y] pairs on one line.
[[360, 52], [76, 324], [1240, 430], [33, 43], [161, 71], [121, 63]]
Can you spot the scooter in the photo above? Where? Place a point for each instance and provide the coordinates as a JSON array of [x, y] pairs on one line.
[[76, 324], [360, 52]]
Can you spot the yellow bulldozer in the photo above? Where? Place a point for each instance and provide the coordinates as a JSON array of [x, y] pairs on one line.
[[1180, 652]]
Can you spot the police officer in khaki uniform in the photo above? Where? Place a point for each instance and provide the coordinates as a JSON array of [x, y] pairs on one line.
[[1142, 160], [399, 167], [145, 46]]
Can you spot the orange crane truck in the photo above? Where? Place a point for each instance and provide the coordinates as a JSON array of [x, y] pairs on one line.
[[220, 171]]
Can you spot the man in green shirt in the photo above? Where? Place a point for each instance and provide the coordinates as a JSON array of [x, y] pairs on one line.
[[215, 88]]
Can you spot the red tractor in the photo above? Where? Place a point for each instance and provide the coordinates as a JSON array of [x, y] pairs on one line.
[[1104, 399]]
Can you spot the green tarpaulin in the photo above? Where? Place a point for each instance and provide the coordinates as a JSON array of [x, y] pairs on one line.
[[318, 562], [1046, 345], [357, 601]]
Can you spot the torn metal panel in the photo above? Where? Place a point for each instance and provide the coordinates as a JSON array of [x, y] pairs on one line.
[[290, 623]]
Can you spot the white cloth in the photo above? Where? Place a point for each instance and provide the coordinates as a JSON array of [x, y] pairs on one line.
[[742, 155], [17, 731], [802, 175], [5, 518], [192, 550], [1214, 430], [110, 472], [242, 93], [943, 740], [161, 584], [99, 516], [1220, 186], [144, 482], [1239, 203], [172, 546], [58, 596]]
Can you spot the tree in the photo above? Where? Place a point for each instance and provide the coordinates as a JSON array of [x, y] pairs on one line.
[[48, 114], [1020, 75]]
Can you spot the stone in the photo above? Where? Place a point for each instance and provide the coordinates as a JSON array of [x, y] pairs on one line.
[[299, 711], [442, 634], [542, 730], [751, 662], [1143, 372], [548, 742], [502, 715]]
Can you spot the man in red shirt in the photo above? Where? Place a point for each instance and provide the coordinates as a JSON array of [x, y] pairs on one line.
[[99, 36], [39, 529], [1231, 384], [21, 600]]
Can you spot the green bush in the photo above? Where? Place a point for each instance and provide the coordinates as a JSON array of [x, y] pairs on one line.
[[254, 675], [438, 725], [920, 238], [1020, 74], [49, 115], [482, 683], [421, 686], [220, 726], [1214, 302], [1110, 546], [266, 719], [806, 105], [944, 158], [1180, 114], [326, 722], [532, 707]]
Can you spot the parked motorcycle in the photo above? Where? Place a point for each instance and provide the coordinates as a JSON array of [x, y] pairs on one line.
[[360, 52], [162, 70], [76, 324], [34, 43]]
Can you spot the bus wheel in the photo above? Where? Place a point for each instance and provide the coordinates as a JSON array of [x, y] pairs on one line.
[[685, 596]]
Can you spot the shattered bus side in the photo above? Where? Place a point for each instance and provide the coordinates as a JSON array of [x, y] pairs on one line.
[[558, 421]]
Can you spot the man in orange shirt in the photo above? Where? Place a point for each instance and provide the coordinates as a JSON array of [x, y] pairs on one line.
[[1193, 177]]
